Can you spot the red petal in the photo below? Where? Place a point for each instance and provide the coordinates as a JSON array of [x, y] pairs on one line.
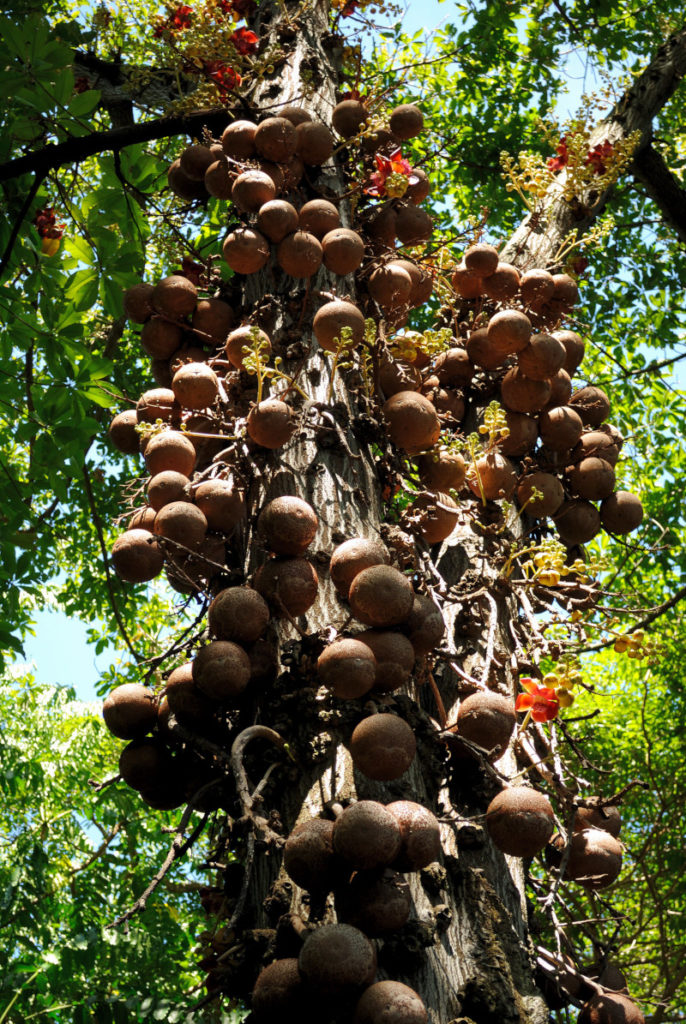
[[523, 702]]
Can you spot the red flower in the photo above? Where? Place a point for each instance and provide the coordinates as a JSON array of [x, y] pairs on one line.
[[223, 75], [244, 40], [598, 155], [556, 163], [541, 701], [46, 223], [193, 271], [180, 19], [395, 164]]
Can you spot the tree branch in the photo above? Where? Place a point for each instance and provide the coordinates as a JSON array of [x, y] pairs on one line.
[[663, 187]]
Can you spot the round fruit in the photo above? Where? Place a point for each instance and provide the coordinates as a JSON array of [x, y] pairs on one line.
[[394, 658], [195, 160], [343, 251], [319, 216], [503, 284], [130, 711], [143, 519], [577, 521], [591, 478], [218, 179], [425, 626], [246, 251], [137, 556], [383, 747], [222, 504], [467, 283], [278, 992], [287, 525], [483, 352], [157, 404], [492, 477], [592, 404], [406, 121], [251, 190], [300, 254], [413, 225], [348, 117], [276, 219], [574, 349], [542, 357], [390, 286], [166, 487], [308, 855], [271, 424], [145, 764], [595, 443], [351, 557], [454, 368], [242, 338], [419, 190], [122, 432], [442, 470], [420, 835], [160, 339], [595, 858], [481, 259], [391, 1002], [560, 428], [381, 227], [174, 296], [183, 186], [221, 670], [332, 318], [181, 523], [213, 319], [367, 835], [395, 377], [288, 583], [314, 143], [347, 668], [520, 821], [560, 389], [550, 488], [566, 294], [381, 596], [336, 959], [170, 450], [622, 512], [523, 433], [522, 394], [238, 614], [188, 705], [377, 902], [536, 288], [509, 331], [412, 421], [610, 1008], [487, 719], [608, 819], [238, 140], [137, 302], [275, 139], [436, 516], [195, 386]]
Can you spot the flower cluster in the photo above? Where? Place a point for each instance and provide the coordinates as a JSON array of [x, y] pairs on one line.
[[541, 702], [178, 20], [223, 75], [596, 158], [49, 230], [392, 176]]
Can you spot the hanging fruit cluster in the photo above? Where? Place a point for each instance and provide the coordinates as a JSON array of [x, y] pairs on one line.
[[228, 406]]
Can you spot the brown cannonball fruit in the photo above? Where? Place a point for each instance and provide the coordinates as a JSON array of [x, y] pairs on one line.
[[347, 668], [614, 434], [343, 251], [520, 821], [366, 835], [184, 355], [238, 140], [383, 747], [287, 525], [434, 516], [394, 658], [484, 352], [548, 485], [251, 190], [596, 443], [351, 557], [406, 121], [279, 992], [332, 318], [467, 283], [348, 117], [130, 711], [160, 339], [422, 282], [221, 502], [319, 216], [271, 424], [481, 259], [183, 186], [246, 251], [536, 288], [390, 286], [143, 519], [294, 170], [610, 1008], [157, 404], [503, 284], [449, 403], [412, 421], [182, 523], [238, 614], [395, 377], [522, 394], [221, 670], [592, 478], [195, 160], [276, 219], [195, 386], [219, 180], [577, 521], [136, 556], [424, 626], [610, 977], [377, 902], [296, 115], [288, 583], [454, 368], [509, 331], [275, 139], [419, 190], [161, 373], [213, 319], [381, 596], [492, 477], [337, 959], [165, 487], [621, 513], [137, 302], [242, 338], [592, 404], [381, 225], [170, 449], [145, 764], [574, 347], [442, 471], [523, 433], [174, 296], [566, 294], [413, 224], [186, 702], [487, 719], [542, 357], [122, 432], [314, 143], [560, 389], [595, 858], [420, 835], [608, 819], [299, 254], [308, 856], [391, 1002], [560, 428]]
